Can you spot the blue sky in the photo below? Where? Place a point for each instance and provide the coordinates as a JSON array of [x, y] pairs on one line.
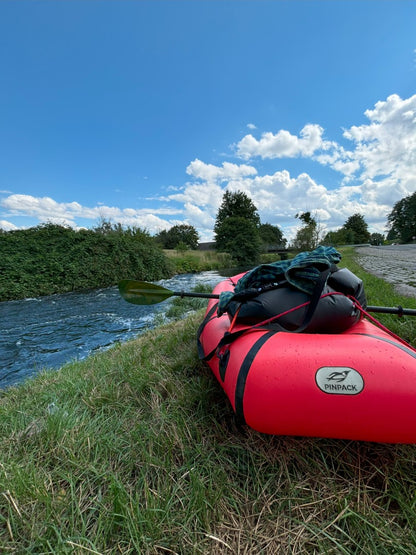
[[145, 112]]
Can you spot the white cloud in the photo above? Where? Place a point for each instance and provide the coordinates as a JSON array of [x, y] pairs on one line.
[[373, 168], [377, 171], [386, 149], [216, 174], [282, 144], [383, 151], [47, 209], [278, 197], [200, 194], [202, 220], [339, 159], [7, 226]]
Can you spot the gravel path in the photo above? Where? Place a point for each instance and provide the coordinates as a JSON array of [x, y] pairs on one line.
[[394, 263]]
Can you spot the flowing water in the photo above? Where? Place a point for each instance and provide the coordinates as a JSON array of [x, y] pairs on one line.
[[47, 332]]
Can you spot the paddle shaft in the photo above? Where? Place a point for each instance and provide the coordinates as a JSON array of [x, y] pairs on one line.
[[142, 292], [400, 311], [198, 295]]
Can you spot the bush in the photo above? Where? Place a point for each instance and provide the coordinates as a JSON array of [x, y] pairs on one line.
[[54, 259]]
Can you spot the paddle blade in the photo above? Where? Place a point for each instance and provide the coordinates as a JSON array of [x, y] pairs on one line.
[[143, 292]]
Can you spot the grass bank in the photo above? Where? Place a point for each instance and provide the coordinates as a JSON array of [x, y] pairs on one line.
[[136, 450]]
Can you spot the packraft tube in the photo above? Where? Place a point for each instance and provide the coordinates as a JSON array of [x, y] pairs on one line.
[[359, 384]]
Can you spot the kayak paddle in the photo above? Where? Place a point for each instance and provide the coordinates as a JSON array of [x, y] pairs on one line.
[[145, 293]]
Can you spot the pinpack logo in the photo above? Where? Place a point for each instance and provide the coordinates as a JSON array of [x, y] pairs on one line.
[[339, 380], [338, 376]]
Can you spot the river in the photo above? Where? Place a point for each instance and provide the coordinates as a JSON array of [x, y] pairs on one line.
[[46, 332]]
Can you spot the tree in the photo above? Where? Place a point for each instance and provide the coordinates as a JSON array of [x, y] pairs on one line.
[[271, 235], [334, 238], [376, 239], [307, 237], [359, 228], [240, 238], [178, 234], [237, 204], [237, 228], [402, 219], [105, 226], [306, 218], [354, 230]]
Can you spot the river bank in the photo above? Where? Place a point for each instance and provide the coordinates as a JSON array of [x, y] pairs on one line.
[[137, 450], [47, 332]]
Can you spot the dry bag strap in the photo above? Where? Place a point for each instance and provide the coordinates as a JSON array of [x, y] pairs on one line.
[[315, 297], [230, 337]]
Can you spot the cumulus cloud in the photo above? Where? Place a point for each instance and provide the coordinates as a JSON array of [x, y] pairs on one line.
[[203, 220], [200, 194], [385, 149], [383, 152], [278, 197], [218, 174], [282, 144], [69, 213], [376, 168], [373, 163], [375, 172], [7, 226]]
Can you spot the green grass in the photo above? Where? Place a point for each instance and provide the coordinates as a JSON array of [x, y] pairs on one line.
[[136, 450], [198, 260]]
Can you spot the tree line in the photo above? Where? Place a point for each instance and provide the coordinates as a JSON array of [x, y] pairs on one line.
[[238, 229], [401, 226], [238, 217], [239, 232], [51, 258]]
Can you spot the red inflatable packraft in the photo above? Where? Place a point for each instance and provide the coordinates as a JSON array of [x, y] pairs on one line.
[[359, 384]]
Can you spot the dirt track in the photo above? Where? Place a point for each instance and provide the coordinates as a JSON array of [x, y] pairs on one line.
[[395, 264]]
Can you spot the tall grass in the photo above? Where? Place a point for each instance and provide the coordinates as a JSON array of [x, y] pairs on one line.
[[198, 260], [136, 450], [201, 260]]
